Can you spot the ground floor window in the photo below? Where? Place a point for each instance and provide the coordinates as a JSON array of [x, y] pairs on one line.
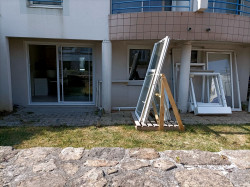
[[138, 63], [60, 73]]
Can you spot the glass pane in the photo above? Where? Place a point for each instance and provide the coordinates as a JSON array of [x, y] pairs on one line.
[[220, 63], [138, 63], [43, 76], [213, 95], [76, 73]]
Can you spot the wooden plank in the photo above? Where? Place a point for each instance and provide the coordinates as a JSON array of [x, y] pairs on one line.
[[172, 102], [135, 120], [155, 111], [162, 109]]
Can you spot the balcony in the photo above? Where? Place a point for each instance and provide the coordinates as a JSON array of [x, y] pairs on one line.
[[129, 6]]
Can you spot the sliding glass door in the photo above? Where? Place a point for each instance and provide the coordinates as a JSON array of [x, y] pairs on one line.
[[76, 74], [61, 74]]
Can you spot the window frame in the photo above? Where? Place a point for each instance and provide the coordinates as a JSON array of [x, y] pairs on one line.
[[147, 47], [30, 3]]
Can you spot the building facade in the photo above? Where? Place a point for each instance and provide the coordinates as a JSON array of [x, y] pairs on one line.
[[81, 52]]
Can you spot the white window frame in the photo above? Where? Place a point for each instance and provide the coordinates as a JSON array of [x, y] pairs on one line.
[[32, 5]]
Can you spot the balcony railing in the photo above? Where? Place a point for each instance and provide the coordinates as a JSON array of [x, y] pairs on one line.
[[127, 6], [240, 7]]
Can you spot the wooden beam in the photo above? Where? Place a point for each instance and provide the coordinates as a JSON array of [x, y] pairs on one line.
[[156, 114], [162, 108], [172, 102]]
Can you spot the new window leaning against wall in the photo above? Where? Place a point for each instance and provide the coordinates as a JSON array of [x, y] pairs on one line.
[[138, 60]]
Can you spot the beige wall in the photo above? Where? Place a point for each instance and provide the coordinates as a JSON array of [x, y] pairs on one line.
[[123, 95], [127, 95]]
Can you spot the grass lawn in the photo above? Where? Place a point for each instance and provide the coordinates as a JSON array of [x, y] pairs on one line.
[[207, 138]]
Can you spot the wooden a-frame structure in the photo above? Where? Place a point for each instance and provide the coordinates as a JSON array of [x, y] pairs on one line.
[[159, 122]]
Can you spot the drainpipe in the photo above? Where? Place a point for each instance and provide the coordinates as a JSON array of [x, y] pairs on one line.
[[106, 75], [184, 77]]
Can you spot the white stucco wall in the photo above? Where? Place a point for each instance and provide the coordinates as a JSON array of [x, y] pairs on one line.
[[78, 20]]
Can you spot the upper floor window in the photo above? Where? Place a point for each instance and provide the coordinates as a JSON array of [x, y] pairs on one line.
[[46, 3]]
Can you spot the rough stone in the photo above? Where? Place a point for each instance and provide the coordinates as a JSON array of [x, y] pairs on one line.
[[143, 153], [94, 177], [196, 157], [201, 178], [6, 152], [115, 167], [241, 158], [70, 168], [27, 157], [71, 153], [164, 164], [111, 171], [108, 153], [45, 167], [240, 178], [46, 180], [101, 163], [134, 179], [134, 165]]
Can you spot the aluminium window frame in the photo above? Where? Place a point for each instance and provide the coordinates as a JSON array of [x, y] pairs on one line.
[[146, 47], [30, 3], [27, 43]]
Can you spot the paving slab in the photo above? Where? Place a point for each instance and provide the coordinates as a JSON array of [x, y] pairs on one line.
[[87, 116]]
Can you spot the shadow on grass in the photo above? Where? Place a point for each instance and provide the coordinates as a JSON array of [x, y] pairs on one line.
[[15, 136]]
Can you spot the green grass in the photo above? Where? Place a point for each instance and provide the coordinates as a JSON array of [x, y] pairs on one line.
[[207, 138]]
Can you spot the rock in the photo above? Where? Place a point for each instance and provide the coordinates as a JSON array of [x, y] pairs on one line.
[[240, 158], [94, 177], [27, 157], [240, 178], [134, 165], [201, 178], [111, 171], [196, 157], [164, 164], [45, 167], [71, 153], [46, 180], [101, 163], [143, 153], [134, 179], [115, 153], [6, 153], [70, 168]]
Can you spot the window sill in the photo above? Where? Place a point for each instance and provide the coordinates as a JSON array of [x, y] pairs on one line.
[[129, 82], [46, 6]]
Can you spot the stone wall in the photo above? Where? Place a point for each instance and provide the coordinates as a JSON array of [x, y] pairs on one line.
[[122, 167]]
